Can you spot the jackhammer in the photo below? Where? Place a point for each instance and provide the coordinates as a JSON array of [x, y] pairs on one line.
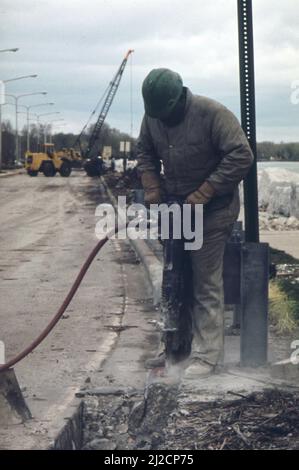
[[176, 301]]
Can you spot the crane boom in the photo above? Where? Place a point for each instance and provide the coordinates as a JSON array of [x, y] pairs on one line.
[[114, 84]]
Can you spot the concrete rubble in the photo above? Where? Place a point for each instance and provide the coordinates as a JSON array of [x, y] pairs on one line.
[[279, 193]]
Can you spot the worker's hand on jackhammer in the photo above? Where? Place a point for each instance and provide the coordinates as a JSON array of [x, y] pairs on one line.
[[153, 193], [202, 195]]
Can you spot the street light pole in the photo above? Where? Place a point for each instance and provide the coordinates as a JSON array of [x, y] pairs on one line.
[[15, 49], [20, 78], [57, 125], [50, 127], [38, 124], [27, 112], [2, 83], [16, 98], [0, 136]]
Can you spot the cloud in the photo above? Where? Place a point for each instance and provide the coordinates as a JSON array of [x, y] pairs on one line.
[[76, 46]]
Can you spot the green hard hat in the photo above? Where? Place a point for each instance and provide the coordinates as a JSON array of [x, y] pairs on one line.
[[161, 91]]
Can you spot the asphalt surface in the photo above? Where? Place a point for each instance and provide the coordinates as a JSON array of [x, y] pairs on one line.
[[286, 240], [47, 231]]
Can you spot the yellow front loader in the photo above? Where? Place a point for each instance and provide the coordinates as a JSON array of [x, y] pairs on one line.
[[48, 162]]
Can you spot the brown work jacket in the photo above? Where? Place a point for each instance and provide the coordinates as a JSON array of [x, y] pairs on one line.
[[208, 145]]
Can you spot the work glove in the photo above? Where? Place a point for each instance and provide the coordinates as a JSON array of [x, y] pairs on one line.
[[152, 187], [202, 195]]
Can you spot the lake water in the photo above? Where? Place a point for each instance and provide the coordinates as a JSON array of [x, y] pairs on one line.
[[291, 166]]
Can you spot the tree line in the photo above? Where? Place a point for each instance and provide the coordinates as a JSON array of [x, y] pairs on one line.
[[284, 151], [109, 137]]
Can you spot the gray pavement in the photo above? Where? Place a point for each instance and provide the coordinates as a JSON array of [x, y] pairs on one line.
[[47, 231], [286, 240]]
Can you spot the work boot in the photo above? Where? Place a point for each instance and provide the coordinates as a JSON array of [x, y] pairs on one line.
[[155, 362], [198, 369]]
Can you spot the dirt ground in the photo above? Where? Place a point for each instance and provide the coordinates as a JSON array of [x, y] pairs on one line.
[[266, 420]]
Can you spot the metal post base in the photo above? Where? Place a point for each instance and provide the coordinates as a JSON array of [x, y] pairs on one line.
[[254, 299]]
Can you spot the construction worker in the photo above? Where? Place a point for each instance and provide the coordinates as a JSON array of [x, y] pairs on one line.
[[205, 155]]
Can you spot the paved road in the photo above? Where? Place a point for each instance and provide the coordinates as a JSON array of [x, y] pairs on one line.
[[286, 240], [47, 230]]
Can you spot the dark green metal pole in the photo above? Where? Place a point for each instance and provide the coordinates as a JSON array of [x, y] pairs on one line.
[[254, 255], [247, 93]]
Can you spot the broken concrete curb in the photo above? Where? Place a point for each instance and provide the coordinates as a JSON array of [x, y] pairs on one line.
[[151, 263], [70, 437]]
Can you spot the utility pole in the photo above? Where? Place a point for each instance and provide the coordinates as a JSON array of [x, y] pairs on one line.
[[15, 49], [2, 101], [248, 120], [2, 98], [254, 255], [51, 127], [16, 100], [45, 126], [0, 136], [28, 113]]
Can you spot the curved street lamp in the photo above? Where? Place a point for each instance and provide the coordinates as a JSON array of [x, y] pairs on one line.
[[50, 124], [14, 49], [28, 112], [3, 91], [16, 99], [20, 78], [38, 125]]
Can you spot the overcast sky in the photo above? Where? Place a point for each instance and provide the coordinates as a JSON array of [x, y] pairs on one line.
[[76, 46]]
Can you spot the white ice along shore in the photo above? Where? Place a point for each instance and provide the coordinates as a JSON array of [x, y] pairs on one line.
[[278, 199], [279, 192], [278, 196]]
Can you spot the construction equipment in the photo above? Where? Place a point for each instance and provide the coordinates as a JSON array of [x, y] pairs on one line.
[[48, 162], [72, 155], [176, 293], [93, 162]]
